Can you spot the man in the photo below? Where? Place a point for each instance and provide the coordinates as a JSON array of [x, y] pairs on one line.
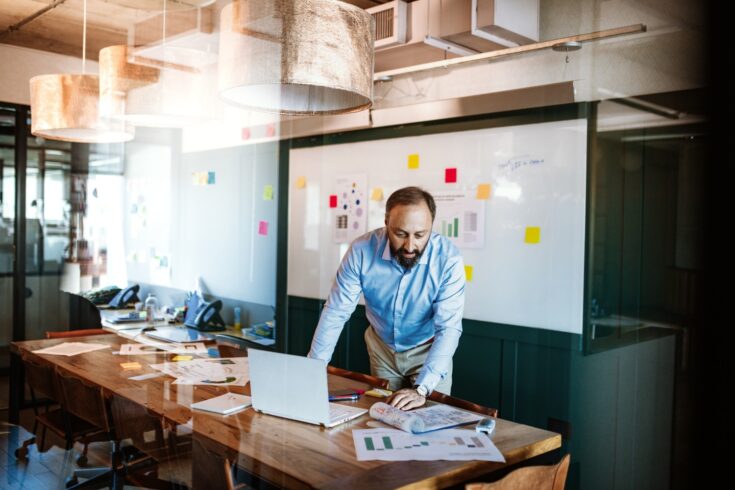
[[413, 282]]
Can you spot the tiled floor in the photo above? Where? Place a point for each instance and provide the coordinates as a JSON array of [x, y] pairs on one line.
[[47, 470], [50, 469]]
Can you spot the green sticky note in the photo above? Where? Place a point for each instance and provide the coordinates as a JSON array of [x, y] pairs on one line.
[[413, 161], [268, 193], [533, 234]]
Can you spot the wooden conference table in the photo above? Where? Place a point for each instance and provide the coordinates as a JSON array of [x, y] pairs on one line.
[[283, 452]]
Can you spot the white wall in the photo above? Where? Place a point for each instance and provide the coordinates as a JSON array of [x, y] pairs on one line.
[[22, 64]]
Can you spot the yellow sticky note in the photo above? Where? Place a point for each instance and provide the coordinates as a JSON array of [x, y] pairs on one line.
[[130, 365], [379, 393], [413, 161], [195, 178], [268, 193], [483, 191], [377, 194], [533, 234], [182, 358], [301, 182], [468, 272]]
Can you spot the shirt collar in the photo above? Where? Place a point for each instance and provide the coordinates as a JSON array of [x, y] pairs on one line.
[[387, 255]]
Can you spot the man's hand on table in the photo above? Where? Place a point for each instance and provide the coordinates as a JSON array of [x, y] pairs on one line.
[[406, 399]]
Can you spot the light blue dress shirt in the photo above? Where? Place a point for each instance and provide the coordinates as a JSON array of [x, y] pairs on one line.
[[405, 307]]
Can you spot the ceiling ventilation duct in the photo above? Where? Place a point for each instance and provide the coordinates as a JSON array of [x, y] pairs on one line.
[[431, 30]]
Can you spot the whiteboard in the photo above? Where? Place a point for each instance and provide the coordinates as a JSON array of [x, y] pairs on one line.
[[222, 231], [537, 177]]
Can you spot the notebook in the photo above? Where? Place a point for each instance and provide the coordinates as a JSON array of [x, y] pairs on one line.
[[295, 387], [224, 404]]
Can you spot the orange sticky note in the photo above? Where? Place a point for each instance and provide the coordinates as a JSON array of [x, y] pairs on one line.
[[413, 161], [301, 182], [182, 358], [483, 191], [533, 234], [130, 365], [468, 272], [377, 194]]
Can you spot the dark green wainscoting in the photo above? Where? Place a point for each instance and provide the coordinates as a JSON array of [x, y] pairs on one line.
[[613, 408]]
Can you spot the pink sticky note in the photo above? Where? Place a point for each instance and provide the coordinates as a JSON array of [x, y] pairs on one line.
[[245, 133], [450, 175], [270, 130], [263, 228], [333, 201]]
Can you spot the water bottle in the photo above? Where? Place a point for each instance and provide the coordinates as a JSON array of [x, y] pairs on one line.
[[238, 324], [151, 307]]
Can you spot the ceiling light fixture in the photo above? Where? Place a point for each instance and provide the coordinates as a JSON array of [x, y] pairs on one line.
[[147, 96], [306, 57], [65, 107]]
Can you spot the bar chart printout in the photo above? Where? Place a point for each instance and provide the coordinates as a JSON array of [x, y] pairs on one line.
[[461, 218], [450, 444]]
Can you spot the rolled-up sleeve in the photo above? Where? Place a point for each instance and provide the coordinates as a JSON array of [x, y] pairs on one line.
[[448, 310]]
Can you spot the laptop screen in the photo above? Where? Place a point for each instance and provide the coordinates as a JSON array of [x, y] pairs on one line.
[[289, 386]]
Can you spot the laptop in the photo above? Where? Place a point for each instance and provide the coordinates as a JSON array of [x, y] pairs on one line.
[[295, 387]]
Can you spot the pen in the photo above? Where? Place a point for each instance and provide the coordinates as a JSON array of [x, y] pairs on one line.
[[354, 396]]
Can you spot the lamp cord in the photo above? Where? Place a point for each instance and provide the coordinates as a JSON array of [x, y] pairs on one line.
[[84, 40]]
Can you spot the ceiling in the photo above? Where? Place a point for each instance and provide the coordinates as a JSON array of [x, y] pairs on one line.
[[59, 29]]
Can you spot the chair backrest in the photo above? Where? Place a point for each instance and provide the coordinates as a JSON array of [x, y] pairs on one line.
[[41, 379], [537, 477], [83, 400], [132, 421], [230, 346], [463, 404], [83, 314], [76, 333], [373, 381]]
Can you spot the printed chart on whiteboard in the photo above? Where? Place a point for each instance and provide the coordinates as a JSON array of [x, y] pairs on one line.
[[350, 212], [461, 218]]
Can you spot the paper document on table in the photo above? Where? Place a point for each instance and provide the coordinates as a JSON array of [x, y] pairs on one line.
[[231, 371], [421, 420], [71, 348], [168, 348], [224, 404], [450, 444]]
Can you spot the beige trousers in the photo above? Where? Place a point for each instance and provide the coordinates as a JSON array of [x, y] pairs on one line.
[[400, 368]]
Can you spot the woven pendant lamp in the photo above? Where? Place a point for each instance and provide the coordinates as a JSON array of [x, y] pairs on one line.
[[296, 57], [66, 106], [146, 96]]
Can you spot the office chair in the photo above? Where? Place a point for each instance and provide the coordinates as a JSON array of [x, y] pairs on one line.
[[88, 403], [373, 381], [229, 346], [463, 404], [537, 477], [42, 382], [141, 462], [83, 314], [76, 333]]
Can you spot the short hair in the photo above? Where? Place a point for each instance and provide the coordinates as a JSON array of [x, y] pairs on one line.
[[410, 196]]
